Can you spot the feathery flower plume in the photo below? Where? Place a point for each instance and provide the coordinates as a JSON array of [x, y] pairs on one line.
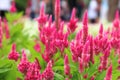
[[85, 26], [81, 65], [33, 73], [1, 33], [91, 50], [72, 25], [37, 47], [42, 19], [24, 64], [13, 55], [13, 7], [101, 31], [85, 53], [66, 65], [48, 73], [109, 73], [57, 14], [116, 22]]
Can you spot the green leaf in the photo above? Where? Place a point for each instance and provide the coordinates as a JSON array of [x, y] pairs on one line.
[[58, 77]]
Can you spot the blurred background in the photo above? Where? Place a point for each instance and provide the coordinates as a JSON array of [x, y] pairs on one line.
[[98, 10]]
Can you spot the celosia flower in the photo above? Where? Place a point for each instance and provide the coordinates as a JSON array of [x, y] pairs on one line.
[[13, 55], [42, 19], [6, 29], [85, 53], [61, 40], [50, 50], [37, 47], [116, 22], [109, 73], [66, 65], [104, 59], [72, 25], [85, 26], [33, 73], [13, 7], [101, 31], [92, 78], [76, 46], [24, 64], [85, 76], [81, 65], [1, 33], [57, 13], [91, 50], [48, 73]]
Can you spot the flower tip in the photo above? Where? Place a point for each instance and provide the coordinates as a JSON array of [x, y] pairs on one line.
[[73, 13], [117, 14], [13, 46], [85, 17], [101, 29]]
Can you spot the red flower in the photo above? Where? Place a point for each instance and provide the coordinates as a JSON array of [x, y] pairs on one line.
[[72, 25], [13, 7], [1, 33], [109, 73], [37, 47], [13, 55], [24, 64], [66, 65], [48, 73]]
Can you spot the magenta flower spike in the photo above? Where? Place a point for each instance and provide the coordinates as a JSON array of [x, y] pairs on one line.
[[57, 13], [116, 22], [6, 29], [85, 26], [66, 65], [48, 73], [101, 31], [13, 7], [37, 47], [42, 19], [72, 25], [91, 50], [24, 64], [109, 73], [1, 33], [13, 55], [33, 73], [85, 54], [81, 65]]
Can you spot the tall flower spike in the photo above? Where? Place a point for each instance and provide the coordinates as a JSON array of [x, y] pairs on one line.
[[24, 64], [42, 17], [101, 31], [72, 25], [57, 13], [91, 50], [33, 73], [85, 26], [48, 73], [109, 73], [66, 65], [116, 22], [13, 55], [1, 33], [81, 65], [13, 7], [85, 54], [6, 29]]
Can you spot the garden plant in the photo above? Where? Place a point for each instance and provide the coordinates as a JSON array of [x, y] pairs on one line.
[[59, 51]]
